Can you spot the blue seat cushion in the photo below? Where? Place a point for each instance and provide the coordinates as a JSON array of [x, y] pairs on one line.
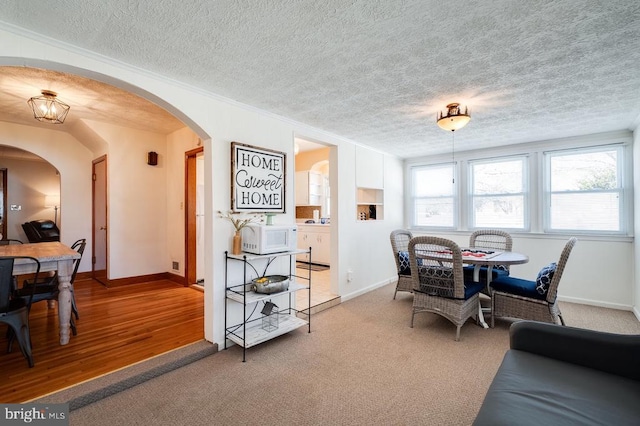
[[518, 286], [471, 288]]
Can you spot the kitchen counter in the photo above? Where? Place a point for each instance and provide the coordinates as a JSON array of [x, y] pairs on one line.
[[301, 222]]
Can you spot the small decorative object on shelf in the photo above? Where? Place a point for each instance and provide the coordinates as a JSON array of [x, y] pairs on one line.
[[239, 221], [269, 218], [270, 284], [270, 316]]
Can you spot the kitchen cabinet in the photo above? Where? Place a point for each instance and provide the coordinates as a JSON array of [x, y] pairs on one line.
[[318, 237], [309, 188], [369, 168]]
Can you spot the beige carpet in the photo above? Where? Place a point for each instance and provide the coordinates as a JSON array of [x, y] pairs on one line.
[[360, 365]]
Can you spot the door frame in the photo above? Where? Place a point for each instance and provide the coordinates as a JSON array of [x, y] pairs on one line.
[[3, 200], [190, 219], [93, 218]]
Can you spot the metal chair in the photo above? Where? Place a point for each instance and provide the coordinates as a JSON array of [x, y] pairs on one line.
[[438, 281], [399, 245], [533, 300], [14, 311], [9, 241]]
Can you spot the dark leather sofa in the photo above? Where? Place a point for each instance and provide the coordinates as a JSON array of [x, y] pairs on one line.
[[555, 375], [42, 230]]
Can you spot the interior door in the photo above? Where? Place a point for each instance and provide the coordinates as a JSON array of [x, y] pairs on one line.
[[100, 234], [194, 216], [3, 204]]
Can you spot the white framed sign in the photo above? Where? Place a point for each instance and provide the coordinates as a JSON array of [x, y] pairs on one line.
[[258, 177]]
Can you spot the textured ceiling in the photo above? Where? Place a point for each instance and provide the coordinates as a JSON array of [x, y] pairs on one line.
[[376, 72]]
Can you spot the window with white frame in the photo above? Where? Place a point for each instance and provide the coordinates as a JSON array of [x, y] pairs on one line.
[[584, 190], [498, 192], [434, 196]]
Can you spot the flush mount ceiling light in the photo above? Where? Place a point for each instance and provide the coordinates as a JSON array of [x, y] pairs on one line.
[[48, 109], [454, 118]]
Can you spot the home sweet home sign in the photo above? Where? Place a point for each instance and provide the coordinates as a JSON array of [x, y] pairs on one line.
[[257, 179]]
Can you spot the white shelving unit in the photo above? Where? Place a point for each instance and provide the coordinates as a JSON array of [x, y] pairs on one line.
[[249, 331]]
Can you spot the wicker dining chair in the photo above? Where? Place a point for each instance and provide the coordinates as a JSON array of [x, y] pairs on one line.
[[400, 245], [438, 281], [492, 239], [533, 300]]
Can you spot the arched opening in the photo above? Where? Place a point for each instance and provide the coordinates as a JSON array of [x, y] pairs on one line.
[[30, 191], [145, 201]]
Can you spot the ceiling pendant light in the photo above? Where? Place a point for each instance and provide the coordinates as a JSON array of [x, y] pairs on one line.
[[454, 118], [48, 109]]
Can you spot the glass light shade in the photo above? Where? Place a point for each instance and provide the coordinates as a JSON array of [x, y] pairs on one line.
[[48, 109], [454, 119]]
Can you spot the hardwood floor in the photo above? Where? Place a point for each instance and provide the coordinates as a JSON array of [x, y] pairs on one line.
[[117, 327]]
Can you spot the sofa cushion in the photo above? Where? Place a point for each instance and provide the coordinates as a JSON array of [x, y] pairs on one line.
[[543, 280], [529, 389], [518, 286]]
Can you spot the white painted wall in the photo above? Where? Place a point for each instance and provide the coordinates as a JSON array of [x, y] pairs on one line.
[[29, 181], [178, 143], [217, 122], [73, 161], [137, 201]]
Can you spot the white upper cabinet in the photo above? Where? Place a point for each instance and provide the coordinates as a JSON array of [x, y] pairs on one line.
[[369, 168]]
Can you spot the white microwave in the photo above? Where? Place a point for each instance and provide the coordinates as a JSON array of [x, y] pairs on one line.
[[267, 239]]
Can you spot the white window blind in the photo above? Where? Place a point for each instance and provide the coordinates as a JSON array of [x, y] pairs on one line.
[[433, 193], [584, 190]]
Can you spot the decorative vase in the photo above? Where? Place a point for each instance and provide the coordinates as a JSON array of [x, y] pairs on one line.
[[237, 243]]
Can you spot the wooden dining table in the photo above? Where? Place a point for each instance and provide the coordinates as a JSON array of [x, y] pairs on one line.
[[53, 256]]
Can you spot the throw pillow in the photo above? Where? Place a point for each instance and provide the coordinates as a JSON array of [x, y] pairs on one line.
[[403, 261], [543, 280]]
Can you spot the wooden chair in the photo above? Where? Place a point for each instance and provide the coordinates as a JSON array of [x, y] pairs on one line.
[[533, 300], [438, 281], [14, 311], [400, 245]]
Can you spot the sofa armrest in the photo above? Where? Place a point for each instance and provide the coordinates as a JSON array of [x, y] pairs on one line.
[[612, 353]]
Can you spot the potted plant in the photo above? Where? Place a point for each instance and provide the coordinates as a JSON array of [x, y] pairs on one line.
[[239, 221]]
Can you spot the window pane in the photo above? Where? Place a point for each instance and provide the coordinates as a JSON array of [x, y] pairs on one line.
[[434, 201], [586, 193], [491, 183], [497, 178], [433, 181], [499, 212], [584, 172], [434, 212], [588, 211]]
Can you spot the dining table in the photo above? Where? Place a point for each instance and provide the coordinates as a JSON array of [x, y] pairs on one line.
[[53, 256], [479, 257]]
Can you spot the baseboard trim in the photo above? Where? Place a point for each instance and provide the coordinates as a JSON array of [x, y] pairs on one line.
[[590, 302]]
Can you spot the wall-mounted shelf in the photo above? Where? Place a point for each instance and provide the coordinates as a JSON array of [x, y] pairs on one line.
[[370, 204]]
